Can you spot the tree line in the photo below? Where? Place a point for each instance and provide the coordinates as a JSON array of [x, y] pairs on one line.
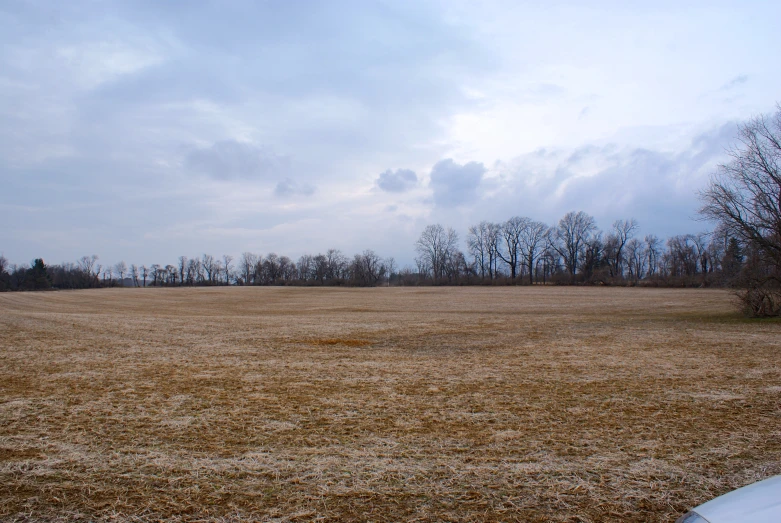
[[517, 251], [331, 268], [521, 250]]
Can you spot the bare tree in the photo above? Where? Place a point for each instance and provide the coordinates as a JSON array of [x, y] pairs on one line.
[[511, 233], [622, 232], [593, 255], [321, 268], [533, 239], [144, 273], [287, 269], [207, 262], [88, 265], [156, 273], [635, 257], [390, 265], [226, 266], [121, 268], [744, 196], [194, 274], [700, 241], [134, 274], [170, 275], [217, 271], [572, 234], [456, 267], [368, 268], [682, 257], [480, 241], [269, 269], [247, 267], [434, 247], [304, 267], [549, 258], [182, 269], [652, 251], [483, 245], [337, 264]]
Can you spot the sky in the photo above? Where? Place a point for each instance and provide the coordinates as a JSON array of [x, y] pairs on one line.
[[145, 130]]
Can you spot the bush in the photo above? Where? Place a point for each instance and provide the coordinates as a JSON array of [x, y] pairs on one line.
[[760, 302]]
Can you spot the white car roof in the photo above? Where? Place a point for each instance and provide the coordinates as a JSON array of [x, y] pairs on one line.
[[758, 503]]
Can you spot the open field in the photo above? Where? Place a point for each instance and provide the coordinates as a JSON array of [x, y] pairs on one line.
[[429, 404]]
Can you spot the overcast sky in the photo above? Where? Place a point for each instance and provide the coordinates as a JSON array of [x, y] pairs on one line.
[[145, 130]]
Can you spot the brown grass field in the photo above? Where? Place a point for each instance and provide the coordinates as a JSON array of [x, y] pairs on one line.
[[388, 404]]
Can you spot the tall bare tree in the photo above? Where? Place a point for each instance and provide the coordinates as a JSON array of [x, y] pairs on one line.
[[182, 269], [170, 272], [745, 194], [156, 272], [532, 241], [247, 267], [336, 264], [368, 268], [121, 269], [572, 235], [653, 253], [636, 258], [435, 245], [480, 243], [483, 246], [227, 259], [511, 233], [623, 231], [288, 268], [207, 262], [193, 271], [390, 265], [88, 265], [134, 274], [305, 267]]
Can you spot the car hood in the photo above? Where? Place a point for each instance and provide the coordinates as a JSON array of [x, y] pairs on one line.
[[759, 503]]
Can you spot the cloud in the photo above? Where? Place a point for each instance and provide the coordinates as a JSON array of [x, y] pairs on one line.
[[738, 80], [400, 180], [231, 160], [290, 187], [455, 184]]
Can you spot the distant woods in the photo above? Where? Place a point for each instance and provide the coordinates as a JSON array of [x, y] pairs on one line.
[[744, 251], [523, 251], [518, 251]]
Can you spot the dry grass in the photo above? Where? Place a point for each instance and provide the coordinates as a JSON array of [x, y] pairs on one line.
[[473, 404]]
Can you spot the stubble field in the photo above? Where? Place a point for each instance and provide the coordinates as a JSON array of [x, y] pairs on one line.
[[428, 404]]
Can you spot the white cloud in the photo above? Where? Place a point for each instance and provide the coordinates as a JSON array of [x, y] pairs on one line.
[[290, 187], [231, 160], [454, 184], [400, 180]]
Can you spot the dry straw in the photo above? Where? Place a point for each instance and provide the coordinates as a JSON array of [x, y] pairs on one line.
[[473, 404]]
